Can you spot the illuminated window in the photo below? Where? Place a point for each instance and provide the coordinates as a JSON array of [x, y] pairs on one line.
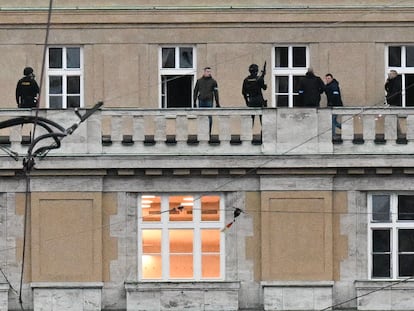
[[391, 231], [180, 237], [64, 77]]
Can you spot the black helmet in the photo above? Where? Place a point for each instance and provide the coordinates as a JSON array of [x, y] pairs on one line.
[[27, 71], [253, 68]]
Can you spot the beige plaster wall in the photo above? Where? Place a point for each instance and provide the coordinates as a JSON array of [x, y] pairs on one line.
[[297, 235]]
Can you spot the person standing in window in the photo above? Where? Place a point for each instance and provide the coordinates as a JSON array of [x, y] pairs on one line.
[[27, 90], [206, 91], [393, 88], [333, 96], [310, 89]]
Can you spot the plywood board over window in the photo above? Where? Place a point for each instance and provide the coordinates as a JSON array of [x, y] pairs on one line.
[[66, 240], [297, 235]]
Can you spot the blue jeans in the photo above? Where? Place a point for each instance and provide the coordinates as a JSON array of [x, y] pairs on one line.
[[335, 124], [207, 104]]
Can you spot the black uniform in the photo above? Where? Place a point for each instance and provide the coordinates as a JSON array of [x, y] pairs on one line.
[[310, 89], [393, 88], [252, 91], [26, 92]]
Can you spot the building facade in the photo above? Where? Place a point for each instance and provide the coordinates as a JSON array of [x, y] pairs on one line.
[[142, 209]]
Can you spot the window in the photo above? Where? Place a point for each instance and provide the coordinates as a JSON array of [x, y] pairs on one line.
[[391, 236], [401, 59], [290, 64], [180, 237], [177, 74], [64, 77]]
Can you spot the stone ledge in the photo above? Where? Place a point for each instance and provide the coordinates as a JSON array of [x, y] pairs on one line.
[[283, 295], [385, 295], [206, 296], [64, 285]]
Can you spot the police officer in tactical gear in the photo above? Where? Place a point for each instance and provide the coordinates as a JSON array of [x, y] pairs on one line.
[[27, 90], [252, 89], [253, 86]]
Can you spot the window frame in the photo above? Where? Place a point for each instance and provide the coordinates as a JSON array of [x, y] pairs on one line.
[[394, 225], [65, 72], [177, 71], [402, 70], [289, 71], [195, 224]]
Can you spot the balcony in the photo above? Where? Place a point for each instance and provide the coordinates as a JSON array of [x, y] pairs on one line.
[[284, 131]]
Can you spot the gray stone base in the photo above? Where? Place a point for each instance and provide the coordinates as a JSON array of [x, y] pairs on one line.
[[385, 295], [4, 296], [67, 296], [297, 295], [191, 296]]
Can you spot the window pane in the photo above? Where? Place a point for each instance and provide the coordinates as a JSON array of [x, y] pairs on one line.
[[405, 240], [409, 90], [210, 266], [168, 58], [406, 265], [186, 57], [73, 85], [381, 266], [55, 58], [73, 101], [181, 253], [73, 57], [55, 85], [281, 57], [210, 208], [281, 84], [296, 83], [55, 102], [299, 56], [151, 241], [381, 208], [180, 210], [151, 208], [151, 254], [381, 240], [409, 50], [394, 56], [210, 241], [405, 207], [282, 101]]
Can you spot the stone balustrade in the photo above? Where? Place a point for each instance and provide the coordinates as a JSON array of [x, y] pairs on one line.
[[284, 131]]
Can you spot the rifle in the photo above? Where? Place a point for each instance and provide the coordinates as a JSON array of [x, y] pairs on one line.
[[264, 70]]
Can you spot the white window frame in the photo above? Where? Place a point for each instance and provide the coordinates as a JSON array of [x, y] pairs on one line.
[[177, 70], [402, 70], [65, 72], [394, 225], [289, 71], [196, 225]]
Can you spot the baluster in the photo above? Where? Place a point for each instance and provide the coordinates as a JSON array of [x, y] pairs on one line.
[[181, 128], [127, 130], [368, 127], [138, 125], [170, 129], [347, 127], [390, 127]]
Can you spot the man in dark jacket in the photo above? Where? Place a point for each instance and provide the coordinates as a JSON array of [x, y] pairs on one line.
[[205, 90], [333, 96], [310, 89], [393, 88], [27, 90]]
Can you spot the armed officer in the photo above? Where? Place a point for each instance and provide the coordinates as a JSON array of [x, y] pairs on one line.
[[27, 90], [252, 88]]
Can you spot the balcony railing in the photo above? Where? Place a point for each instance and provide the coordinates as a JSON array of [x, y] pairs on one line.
[[284, 131]]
